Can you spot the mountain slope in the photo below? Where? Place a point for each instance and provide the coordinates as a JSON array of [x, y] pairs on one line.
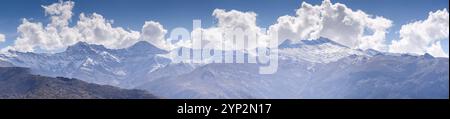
[[317, 68], [18, 83], [320, 50], [95, 63], [351, 77], [5, 64]]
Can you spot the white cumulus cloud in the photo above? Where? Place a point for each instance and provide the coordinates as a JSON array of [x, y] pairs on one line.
[[221, 35], [424, 36], [355, 29], [153, 32], [90, 28], [97, 30], [53, 36]]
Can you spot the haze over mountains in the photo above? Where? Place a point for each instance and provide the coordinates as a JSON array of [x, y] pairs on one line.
[[308, 69]]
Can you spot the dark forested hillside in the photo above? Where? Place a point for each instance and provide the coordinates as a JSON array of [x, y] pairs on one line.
[[19, 83]]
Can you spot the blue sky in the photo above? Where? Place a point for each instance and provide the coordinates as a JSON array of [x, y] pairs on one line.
[[180, 13]]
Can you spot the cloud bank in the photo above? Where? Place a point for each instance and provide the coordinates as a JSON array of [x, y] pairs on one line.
[[353, 28], [424, 36]]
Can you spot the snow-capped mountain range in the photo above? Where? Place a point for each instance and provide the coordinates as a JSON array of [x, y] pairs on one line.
[[94, 63], [317, 68]]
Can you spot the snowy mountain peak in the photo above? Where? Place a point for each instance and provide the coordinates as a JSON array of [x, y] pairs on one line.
[[287, 44], [372, 52], [144, 46], [320, 41], [320, 50], [428, 56], [83, 47], [81, 44], [314, 42]]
